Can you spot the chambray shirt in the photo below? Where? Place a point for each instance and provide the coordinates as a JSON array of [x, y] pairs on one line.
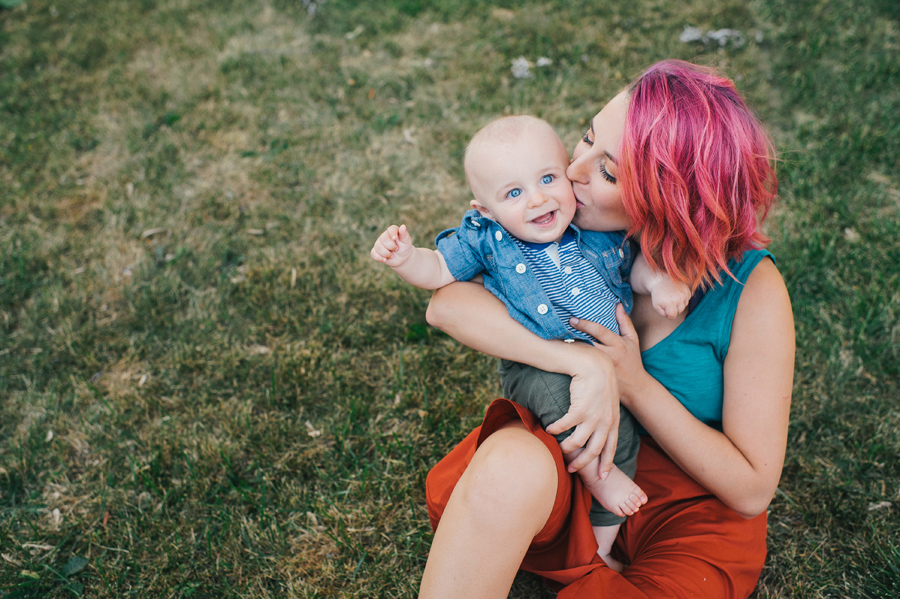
[[481, 246]]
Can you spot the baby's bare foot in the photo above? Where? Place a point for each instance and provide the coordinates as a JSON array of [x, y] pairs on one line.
[[617, 493]]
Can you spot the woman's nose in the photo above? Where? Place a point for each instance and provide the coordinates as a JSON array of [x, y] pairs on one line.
[[575, 171]]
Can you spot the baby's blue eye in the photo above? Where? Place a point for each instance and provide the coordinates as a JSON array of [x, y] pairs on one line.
[[546, 179], [515, 193]]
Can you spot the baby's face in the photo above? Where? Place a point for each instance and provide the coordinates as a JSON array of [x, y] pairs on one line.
[[523, 186]]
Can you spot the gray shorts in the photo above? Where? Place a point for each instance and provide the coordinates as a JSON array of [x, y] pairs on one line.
[[546, 395]]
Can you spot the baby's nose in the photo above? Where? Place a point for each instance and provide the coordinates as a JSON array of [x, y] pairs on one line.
[[538, 199]]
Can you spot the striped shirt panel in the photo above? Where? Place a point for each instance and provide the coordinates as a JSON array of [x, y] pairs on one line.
[[574, 286]]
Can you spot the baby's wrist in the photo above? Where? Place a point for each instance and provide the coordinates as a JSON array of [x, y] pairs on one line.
[[654, 285]]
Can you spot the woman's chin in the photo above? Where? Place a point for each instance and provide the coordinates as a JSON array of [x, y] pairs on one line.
[[589, 219], [582, 220]]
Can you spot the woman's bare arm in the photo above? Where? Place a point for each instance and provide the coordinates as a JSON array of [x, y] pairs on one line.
[[742, 464], [475, 317]]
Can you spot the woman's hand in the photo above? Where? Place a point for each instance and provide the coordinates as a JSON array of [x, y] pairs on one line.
[[593, 410], [624, 350]]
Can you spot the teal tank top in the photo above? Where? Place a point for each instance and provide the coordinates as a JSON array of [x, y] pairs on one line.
[[689, 362]]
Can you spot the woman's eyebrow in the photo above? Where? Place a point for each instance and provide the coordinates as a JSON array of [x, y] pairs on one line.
[[611, 157]]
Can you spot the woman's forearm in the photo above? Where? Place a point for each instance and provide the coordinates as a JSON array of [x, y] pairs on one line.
[[704, 453], [476, 318]]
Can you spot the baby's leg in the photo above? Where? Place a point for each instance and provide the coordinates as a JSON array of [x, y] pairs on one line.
[[606, 536], [618, 494]]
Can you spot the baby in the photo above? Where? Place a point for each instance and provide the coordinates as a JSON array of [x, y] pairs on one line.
[[519, 236]]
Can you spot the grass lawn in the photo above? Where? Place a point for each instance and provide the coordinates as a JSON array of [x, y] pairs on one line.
[[208, 389]]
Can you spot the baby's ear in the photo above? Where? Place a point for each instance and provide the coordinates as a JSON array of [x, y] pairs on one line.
[[481, 209]]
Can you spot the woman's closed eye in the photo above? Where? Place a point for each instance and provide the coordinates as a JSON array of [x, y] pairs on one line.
[[605, 173]]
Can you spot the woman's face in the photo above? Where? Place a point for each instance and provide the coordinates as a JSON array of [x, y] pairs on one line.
[[594, 171]]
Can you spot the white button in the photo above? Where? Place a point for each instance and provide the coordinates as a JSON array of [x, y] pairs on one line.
[[520, 268], [498, 236], [568, 270], [542, 309], [621, 253], [576, 291]]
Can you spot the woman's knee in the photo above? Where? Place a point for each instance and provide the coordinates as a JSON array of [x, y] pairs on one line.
[[511, 477]]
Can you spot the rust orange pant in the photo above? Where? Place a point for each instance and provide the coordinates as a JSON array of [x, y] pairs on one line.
[[683, 543]]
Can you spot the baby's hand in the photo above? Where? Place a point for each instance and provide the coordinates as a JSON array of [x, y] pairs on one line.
[[393, 247], [669, 297]]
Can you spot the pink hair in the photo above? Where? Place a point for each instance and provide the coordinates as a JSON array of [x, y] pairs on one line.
[[696, 171]]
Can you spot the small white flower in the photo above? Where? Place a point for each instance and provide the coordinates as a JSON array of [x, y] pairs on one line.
[[543, 61], [520, 68], [723, 36], [312, 6], [720, 36], [355, 33], [691, 34], [311, 430]]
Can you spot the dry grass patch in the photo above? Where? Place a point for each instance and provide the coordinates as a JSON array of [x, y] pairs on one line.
[[192, 190]]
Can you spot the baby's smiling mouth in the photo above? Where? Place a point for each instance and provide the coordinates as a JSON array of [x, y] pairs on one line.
[[544, 219]]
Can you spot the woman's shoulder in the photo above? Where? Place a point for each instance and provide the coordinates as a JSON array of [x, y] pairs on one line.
[[761, 276], [742, 266], [764, 303]]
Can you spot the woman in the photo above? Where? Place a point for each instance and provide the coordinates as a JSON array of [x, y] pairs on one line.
[[679, 161]]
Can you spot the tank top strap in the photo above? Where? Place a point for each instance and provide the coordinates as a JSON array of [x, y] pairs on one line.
[[689, 361], [716, 310]]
